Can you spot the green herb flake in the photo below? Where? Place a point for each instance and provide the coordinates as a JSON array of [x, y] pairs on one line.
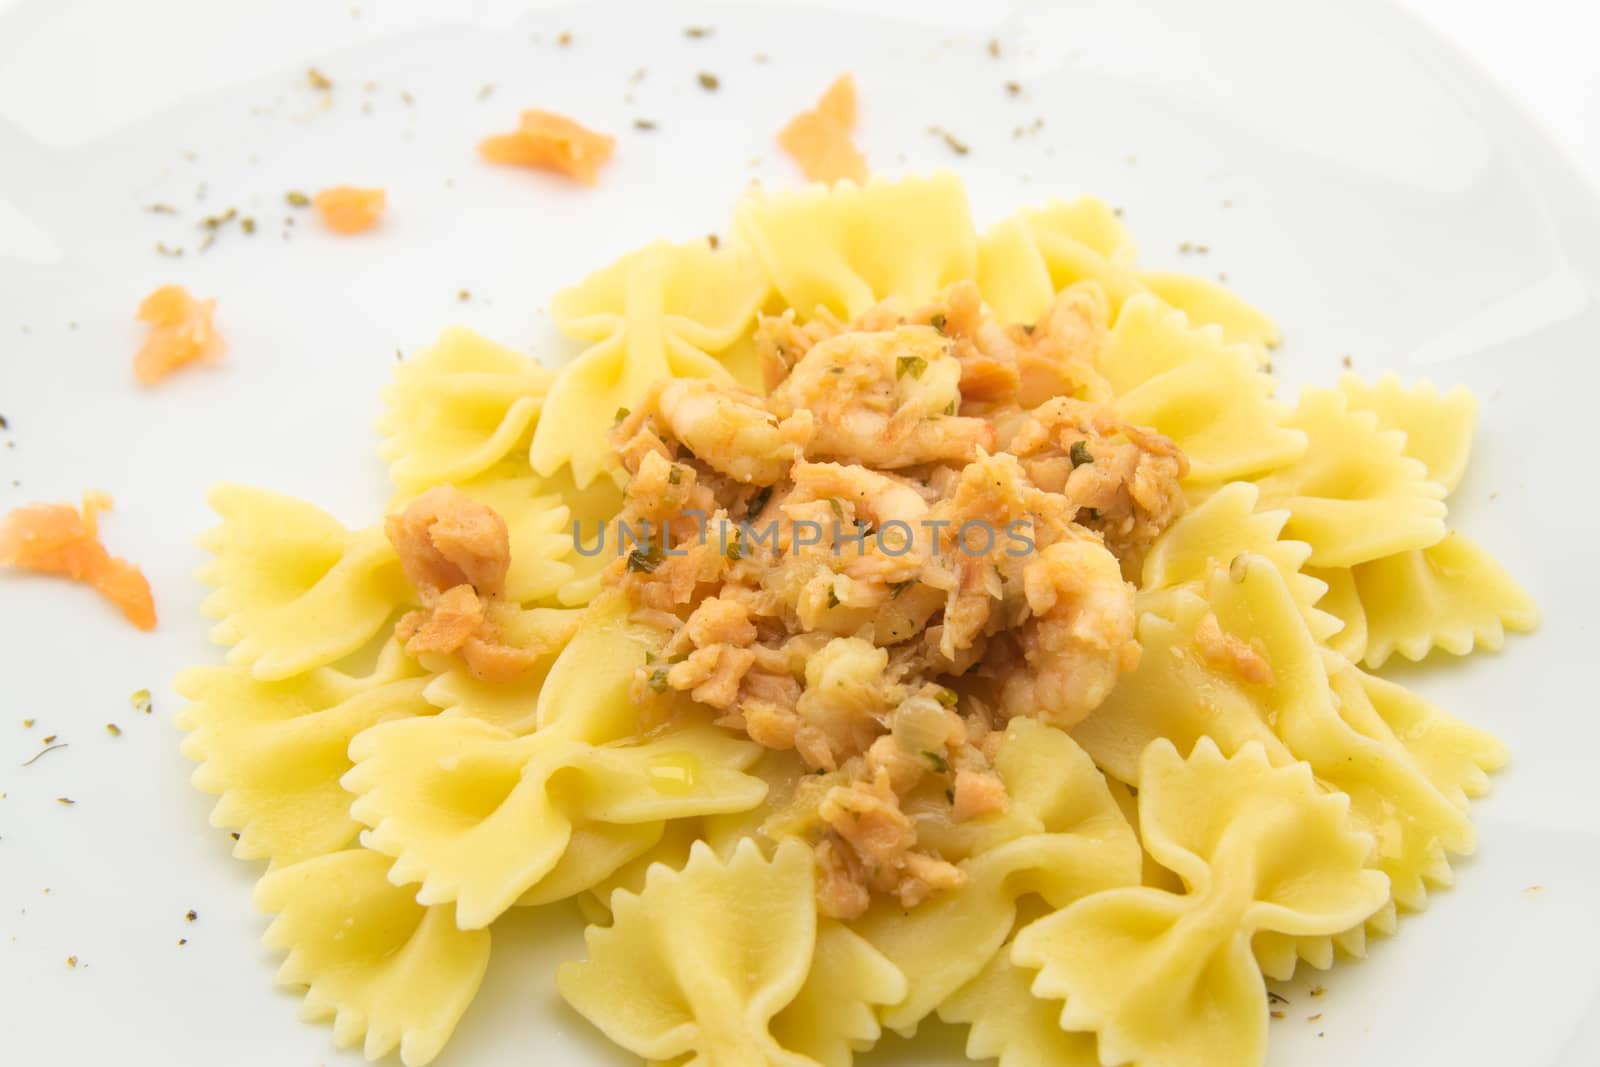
[[912, 365], [675, 476], [621, 414], [896, 588], [644, 561], [837, 506], [1080, 454], [833, 598], [937, 762], [950, 408], [735, 551], [658, 680], [937, 321], [947, 697]]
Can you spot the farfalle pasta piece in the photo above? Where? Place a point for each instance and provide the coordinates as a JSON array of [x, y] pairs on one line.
[[1355, 495], [844, 249], [1170, 979], [273, 751], [1023, 261], [294, 589], [595, 852], [1009, 1024], [1343, 602], [1179, 693], [1416, 825], [456, 409], [663, 311], [1217, 531], [1188, 383], [1438, 428], [1455, 757], [479, 815], [834, 1015], [386, 970], [511, 705], [1452, 595], [699, 962], [1062, 837], [1184, 690]]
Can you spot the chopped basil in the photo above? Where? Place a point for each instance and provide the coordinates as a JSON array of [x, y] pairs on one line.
[[1080, 454], [937, 762], [912, 365]]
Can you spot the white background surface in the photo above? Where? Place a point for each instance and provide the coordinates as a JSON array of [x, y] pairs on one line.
[[1542, 52], [1378, 200]]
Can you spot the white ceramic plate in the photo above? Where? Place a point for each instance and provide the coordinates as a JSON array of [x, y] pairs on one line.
[[1344, 170]]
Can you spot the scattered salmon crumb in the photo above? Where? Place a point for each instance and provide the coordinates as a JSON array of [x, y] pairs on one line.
[[819, 139], [350, 208], [57, 539], [181, 332], [549, 141]]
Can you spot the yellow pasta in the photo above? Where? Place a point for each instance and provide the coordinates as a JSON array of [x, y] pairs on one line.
[[388, 972], [1355, 495], [456, 409], [1168, 978], [293, 588], [1083, 799], [703, 960], [663, 311], [273, 751]]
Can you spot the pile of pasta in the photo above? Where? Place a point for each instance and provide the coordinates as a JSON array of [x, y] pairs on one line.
[[1197, 835]]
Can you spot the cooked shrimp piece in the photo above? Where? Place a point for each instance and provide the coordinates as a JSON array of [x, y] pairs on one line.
[[730, 430], [181, 332], [1080, 639], [978, 793], [1124, 479], [819, 139], [1231, 652], [885, 399], [858, 501], [350, 209], [549, 141], [59, 539], [445, 539]]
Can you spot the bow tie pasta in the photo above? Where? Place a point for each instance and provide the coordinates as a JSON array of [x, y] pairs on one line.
[[1061, 726], [1169, 978], [707, 961]]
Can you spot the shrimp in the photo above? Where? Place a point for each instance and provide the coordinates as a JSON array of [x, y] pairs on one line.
[[1124, 479], [729, 429], [884, 399], [445, 538], [1080, 639]]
